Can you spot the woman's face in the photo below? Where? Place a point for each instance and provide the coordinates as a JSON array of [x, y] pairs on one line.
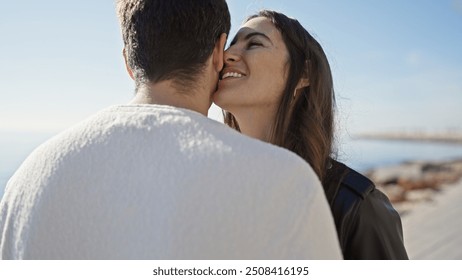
[[254, 74]]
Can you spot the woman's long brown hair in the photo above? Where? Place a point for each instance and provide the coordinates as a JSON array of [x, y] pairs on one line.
[[304, 124]]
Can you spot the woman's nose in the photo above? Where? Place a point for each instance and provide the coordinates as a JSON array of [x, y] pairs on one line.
[[231, 55]]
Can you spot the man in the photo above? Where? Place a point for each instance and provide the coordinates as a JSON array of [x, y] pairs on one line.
[[157, 179]]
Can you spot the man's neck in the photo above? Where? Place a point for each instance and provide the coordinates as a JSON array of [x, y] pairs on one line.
[[164, 93]]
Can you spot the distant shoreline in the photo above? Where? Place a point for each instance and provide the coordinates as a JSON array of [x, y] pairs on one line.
[[452, 138]]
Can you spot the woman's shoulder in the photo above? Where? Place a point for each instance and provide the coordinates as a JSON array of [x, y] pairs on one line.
[[355, 182], [361, 187], [355, 193]]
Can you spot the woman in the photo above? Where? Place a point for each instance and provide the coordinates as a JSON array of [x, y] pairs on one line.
[[277, 86]]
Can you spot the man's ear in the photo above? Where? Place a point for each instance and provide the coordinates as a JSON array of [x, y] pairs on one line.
[[218, 52], [129, 70]]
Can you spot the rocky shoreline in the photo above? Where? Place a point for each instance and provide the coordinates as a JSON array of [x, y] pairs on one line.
[[411, 183]]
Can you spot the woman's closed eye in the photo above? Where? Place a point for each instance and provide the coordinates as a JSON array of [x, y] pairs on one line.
[[253, 44]]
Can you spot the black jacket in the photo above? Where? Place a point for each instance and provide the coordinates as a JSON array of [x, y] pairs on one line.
[[368, 226]]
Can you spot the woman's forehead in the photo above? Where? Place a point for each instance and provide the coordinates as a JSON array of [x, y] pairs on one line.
[[259, 25]]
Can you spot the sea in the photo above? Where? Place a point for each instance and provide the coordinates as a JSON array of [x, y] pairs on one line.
[[359, 154]]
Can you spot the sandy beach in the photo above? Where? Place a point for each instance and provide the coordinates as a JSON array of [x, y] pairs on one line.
[[428, 196], [433, 229]]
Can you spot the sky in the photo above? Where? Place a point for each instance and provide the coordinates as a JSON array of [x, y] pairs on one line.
[[397, 65]]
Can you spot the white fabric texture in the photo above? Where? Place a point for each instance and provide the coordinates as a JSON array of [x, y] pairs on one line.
[[159, 182]]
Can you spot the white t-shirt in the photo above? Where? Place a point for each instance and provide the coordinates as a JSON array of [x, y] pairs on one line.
[[159, 182]]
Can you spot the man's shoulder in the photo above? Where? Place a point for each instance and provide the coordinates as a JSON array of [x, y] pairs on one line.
[[162, 130]]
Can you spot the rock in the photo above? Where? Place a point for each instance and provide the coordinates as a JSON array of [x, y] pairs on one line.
[[412, 182], [418, 183], [391, 174]]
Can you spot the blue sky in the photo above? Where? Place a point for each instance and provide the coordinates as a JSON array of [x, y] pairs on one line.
[[396, 64]]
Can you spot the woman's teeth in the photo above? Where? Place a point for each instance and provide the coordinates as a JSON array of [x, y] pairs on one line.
[[231, 74]]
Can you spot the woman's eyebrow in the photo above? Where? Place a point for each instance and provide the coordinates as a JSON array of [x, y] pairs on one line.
[[250, 35]]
